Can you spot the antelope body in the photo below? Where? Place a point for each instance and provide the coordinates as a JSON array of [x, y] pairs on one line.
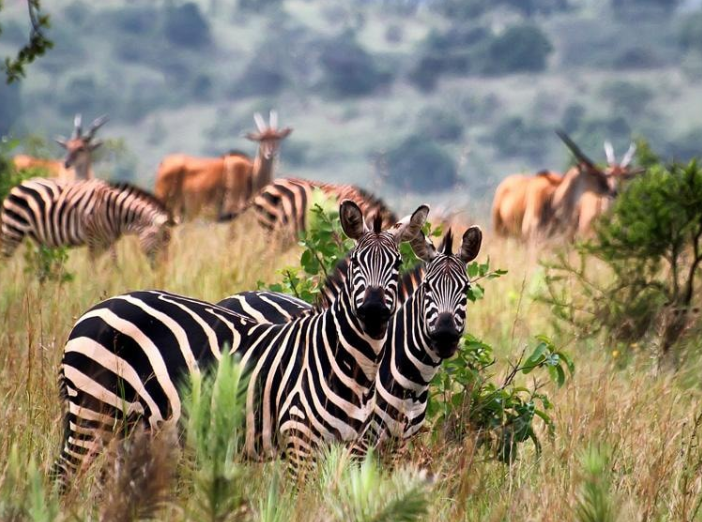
[[188, 185]]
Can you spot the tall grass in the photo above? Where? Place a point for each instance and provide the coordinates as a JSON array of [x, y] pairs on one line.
[[649, 421]]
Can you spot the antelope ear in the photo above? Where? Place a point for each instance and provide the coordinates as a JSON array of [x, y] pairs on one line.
[[352, 221], [284, 133], [253, 136], [96, 144], [472, 239], [409, 227], [423, 247], [61, 141]]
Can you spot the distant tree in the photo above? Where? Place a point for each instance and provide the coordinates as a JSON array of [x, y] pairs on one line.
[[439, 124], [349, 69], [627, 97], [10, 106], [37, 46], [514, 137], [258, 6], [185, 26], [690, 32], [521, 48], [419, 165]]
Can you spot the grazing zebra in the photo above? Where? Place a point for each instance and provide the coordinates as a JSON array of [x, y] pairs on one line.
[[126, 357], [95, 213], [284, 203], [425, 331]]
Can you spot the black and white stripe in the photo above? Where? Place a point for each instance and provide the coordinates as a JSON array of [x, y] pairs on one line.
[[284, 203], [308, 378], [425, 331], [58, 213]]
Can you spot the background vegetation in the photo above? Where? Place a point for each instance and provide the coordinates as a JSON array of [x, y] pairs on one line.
[[479, 84]]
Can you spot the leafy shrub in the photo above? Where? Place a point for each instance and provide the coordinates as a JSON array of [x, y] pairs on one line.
[[349, 70], [185, 26], [418, 164], [465, 400], [594, 498], [439, 124], [521, 48], [646, 256]]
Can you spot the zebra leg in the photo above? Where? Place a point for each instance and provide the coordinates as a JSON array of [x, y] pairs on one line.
[[10, 239]]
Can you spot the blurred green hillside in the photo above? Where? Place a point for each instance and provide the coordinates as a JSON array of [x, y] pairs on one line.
[[386, 94]]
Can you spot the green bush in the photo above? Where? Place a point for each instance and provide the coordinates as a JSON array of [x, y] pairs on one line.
[[418, 164], [465, 399], [646, 254]]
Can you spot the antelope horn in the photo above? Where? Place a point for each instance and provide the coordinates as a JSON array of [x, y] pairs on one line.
[[260, 123], [629, 155], [97, 123], [579, 154], [273, 118], [77, 122], [609, 152]]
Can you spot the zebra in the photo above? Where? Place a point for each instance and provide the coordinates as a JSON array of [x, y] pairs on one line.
[[284, 203], [126, 357], [425, 331], [58, 213]]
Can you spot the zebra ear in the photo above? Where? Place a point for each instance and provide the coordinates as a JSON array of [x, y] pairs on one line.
[[470, 247], [410, 227], [423, 247], [352, 219]]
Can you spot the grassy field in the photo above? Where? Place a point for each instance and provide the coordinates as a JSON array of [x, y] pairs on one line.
[[628, 437]]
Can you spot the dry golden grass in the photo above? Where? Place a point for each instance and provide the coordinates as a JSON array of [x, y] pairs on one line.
[[649, 422]]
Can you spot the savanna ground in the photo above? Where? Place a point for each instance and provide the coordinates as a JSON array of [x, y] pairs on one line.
[[625, 445]]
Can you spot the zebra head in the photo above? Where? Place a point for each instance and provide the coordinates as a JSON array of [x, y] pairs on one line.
[[374, 263], [442, 296]]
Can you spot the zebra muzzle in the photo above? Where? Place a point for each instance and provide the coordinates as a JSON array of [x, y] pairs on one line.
[[445, 336], [373, 313]]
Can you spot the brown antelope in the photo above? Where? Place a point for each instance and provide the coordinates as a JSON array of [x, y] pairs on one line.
[[188, 185], [592, 205], [77, 164], [553, 209], [509, 205]]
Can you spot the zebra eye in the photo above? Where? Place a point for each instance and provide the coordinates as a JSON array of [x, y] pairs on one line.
[[398, 263]]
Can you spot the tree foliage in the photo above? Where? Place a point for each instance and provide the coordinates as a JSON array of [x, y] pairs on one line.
[[418, 164], [639, 275], [37, 45]]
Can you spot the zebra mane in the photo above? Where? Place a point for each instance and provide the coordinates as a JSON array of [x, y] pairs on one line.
[[374, 200], [446, 246], [139, 192], [409, 282]]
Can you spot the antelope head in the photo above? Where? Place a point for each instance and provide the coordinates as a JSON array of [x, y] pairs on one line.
[[80, 146], [595, 179], [621, 171], [268, 136]]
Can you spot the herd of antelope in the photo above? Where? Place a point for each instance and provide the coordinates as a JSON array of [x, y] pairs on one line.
[[531, 207]]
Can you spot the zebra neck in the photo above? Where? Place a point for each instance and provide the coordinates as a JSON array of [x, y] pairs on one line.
[[409, 346], [357, 354]]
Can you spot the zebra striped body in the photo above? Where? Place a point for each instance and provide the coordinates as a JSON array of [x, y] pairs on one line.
[[284, 203], [307, 377], [424, 332], [58, 213]]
